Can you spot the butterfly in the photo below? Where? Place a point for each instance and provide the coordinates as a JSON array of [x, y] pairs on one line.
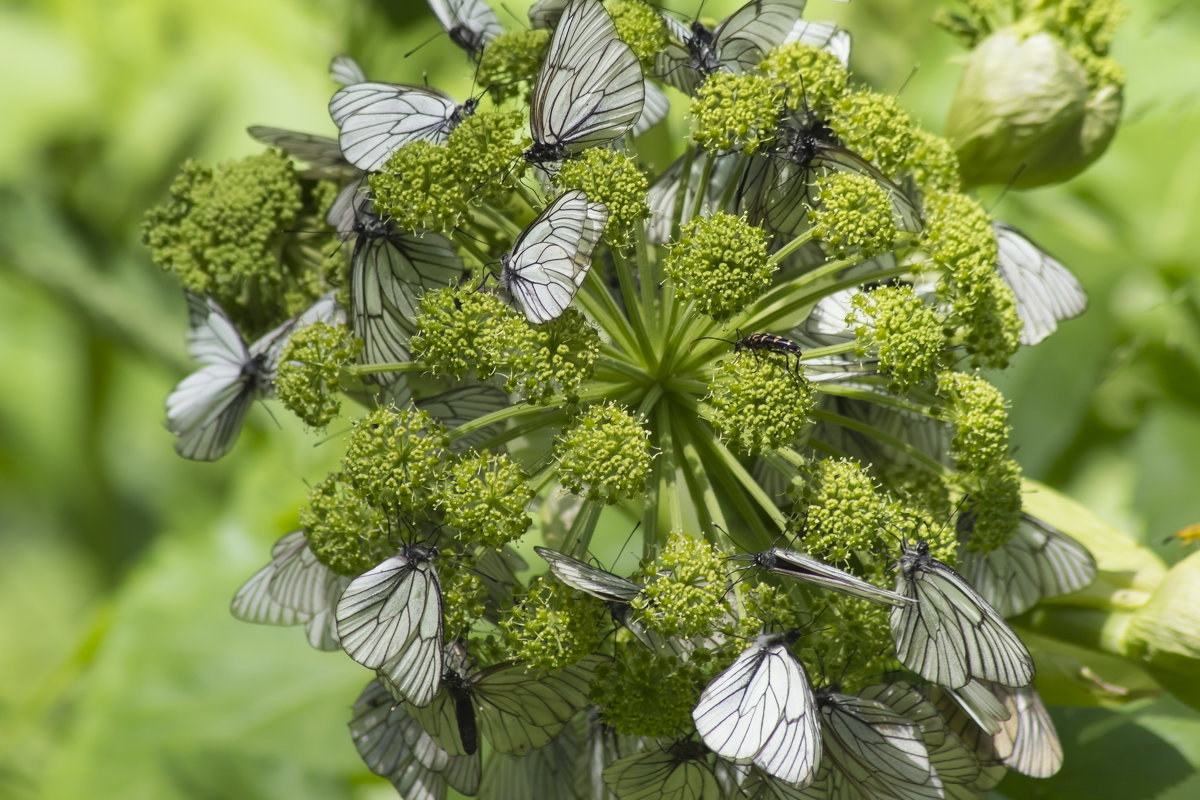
[[206, 409], [471, 24], [737, 45], [389, 271], [375, 120], [553, 771], [677, 771], [1036, 562], [516, 710], [390, 619], [761, 709], [294, 587], [775, 187], [590, 89], [393, 745], [457, 407], [548, 262], [1046, 292], [874, 751], [810, 570], [951, 634]]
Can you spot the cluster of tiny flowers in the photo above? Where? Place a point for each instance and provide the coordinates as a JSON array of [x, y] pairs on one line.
[[750, 350]]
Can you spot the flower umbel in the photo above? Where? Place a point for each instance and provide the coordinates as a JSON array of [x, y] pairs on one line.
[[756, 344]]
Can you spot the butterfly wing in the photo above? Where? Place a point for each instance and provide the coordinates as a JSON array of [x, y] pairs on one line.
[[377, 119], [590, 89], [654, 109], [753, 30], [1027, 736], [761, 708], [519, 712], [876, 750], [905, 212], [322, 154], [550, 259], [589, 579], [674, 63], [471, 24], [346, 71], [206, 409], [810, 570], [951, 634], [662, 774], [1046, 292], [390, 619], [457, 407], [1037, 561]]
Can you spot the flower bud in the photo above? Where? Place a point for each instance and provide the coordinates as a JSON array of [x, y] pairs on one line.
[[1024, 108]]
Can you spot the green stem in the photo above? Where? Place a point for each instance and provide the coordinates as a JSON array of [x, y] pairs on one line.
[[633, 309]]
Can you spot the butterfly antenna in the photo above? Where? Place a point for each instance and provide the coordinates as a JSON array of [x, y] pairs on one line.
[[1011, 181], [627, 540], [332, 436], [904, 85], [418, 47]]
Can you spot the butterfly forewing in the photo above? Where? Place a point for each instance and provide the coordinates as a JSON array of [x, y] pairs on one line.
[[806, 568], [377, 119], [1045, 291], [588, 579], [678, 772], [590, 90], [471, 24], [876, 749], [549, 261]]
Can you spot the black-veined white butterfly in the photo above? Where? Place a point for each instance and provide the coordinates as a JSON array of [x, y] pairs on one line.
[[874, 752], [389, 271], [1036, 562], [737, 45], [951, 634], [390, 619], [471, 24], [206, 409], [457, 407], [618, 592], [590, 89], [346, 71], [1046, 292], [548, 262], [376, 119], [761, 710], [810, 570], [776, 185], [294, 587], [824, 35], [677, 771], [545, 14], [664, 191], [516, 709], [394, 745], [952, 760]]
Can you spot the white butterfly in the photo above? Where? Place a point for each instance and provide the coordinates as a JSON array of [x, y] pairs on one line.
[[761, 710], [548, 262], [678, 771], [395, 746], [294, 587], [375, 120], [545, 14], [346, 71], [874, 752], [553, 771], [737, 45], [1046, 292], [390, 619], [951, 635], [457, 407], [1008, 725], [1036, 562], [471, 24], [590, 89], [206, 409], [389, 271], [805, 568], [516, 710]]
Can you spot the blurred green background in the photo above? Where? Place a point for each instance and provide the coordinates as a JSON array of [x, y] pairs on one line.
[[122, 673]]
